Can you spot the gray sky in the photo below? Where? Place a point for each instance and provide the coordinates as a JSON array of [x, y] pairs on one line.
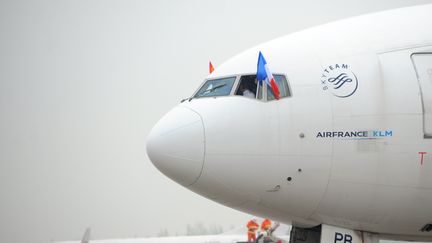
[[83, 82]]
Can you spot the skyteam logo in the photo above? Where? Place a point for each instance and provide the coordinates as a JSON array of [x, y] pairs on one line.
[[339, 80]]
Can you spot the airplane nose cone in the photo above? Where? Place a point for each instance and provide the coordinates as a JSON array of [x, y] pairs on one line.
[[175, 145]]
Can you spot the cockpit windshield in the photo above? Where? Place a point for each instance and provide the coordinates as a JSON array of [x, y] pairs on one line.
[[216, 87], [246, 86]]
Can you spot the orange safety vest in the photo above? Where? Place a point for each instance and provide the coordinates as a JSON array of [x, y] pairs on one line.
[[266, 224], [252, 226]]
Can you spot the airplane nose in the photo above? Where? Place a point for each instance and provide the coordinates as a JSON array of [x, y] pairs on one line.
[[176, 144]]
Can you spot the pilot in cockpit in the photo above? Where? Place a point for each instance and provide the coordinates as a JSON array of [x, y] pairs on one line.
[[245, 90]]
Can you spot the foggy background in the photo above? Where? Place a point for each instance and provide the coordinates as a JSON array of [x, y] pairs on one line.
[[83, 82]]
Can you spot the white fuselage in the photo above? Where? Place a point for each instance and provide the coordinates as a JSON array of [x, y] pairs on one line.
[[353, 152]]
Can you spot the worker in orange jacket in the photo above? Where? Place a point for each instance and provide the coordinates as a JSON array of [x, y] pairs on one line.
[[266, 225], [252, 226]]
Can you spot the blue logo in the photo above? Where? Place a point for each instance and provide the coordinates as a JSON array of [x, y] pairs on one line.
[[339, 80]]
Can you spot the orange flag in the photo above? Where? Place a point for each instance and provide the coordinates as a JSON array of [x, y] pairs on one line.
[[211, 68]]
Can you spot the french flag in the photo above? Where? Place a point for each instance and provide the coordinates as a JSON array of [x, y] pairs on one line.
[[263, 73]]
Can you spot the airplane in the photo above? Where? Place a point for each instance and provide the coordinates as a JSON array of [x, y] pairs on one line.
[[236, 235], [345, 154]]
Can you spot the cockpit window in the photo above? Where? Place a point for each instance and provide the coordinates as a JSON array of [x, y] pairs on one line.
[[247, 86], [216, 87], [282, 85]]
